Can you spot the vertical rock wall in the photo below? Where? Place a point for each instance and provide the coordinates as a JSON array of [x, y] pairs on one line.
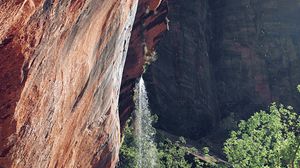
[[256, 54], [60, 75], [149, 27], [180, 83], [222, 57]]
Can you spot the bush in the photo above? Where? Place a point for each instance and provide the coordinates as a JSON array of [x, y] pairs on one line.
[[128, 151], [267, 139], [170, 154], [173, 154], [205, 151]]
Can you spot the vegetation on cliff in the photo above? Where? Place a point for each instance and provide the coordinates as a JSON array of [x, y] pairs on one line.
[[171, 153], [269, 139]]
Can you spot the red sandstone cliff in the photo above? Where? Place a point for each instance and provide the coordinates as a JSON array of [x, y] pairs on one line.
[[60, 74], [150, 25]]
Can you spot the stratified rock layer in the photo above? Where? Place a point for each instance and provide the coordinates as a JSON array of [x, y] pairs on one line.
[[60, 75], [222, 57], [180, 82], [149, 27]]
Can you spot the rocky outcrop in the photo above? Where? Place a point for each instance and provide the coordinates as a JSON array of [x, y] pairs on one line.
[[256, 54], [222, 57], [60, 75], [180, 83], [150, 25]]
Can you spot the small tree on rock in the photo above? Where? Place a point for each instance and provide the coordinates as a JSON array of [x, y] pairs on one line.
[[266, 140]]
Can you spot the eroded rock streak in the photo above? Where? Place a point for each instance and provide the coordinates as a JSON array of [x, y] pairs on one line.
[[150, 24], [222, 57], [60, 75]]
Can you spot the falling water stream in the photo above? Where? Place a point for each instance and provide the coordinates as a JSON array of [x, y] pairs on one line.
[[144, 132]]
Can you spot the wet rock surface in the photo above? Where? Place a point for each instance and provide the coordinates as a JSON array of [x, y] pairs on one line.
[[62, 69], [149, 27], [223, 57]]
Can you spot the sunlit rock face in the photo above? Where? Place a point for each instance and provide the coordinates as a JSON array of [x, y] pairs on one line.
[[149, 27], [60, 76], [222, 57]]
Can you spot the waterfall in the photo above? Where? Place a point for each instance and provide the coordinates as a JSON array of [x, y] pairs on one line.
[[144, 132]]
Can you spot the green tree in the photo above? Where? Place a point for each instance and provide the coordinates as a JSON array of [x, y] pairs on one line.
[[267, 139], [128, 151], [173, 154]]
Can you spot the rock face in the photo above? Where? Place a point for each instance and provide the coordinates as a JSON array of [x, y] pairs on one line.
[[149, 27], [222, 57], [180, 82], [60, 75]]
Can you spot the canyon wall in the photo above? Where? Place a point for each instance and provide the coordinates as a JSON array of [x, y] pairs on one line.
[[224, 57], [60, 75], [180, 81], [61, 71], [150, 25]]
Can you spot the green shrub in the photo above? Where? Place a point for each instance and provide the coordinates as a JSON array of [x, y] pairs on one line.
[[128, 151], [173, 154], [267, 139], [205, 151]]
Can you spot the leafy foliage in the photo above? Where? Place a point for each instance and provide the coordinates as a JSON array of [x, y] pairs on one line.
[[205, 150], [129, 154], [128, 151], [173, 154], [170, 154], [150, 56], [267, 139]]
